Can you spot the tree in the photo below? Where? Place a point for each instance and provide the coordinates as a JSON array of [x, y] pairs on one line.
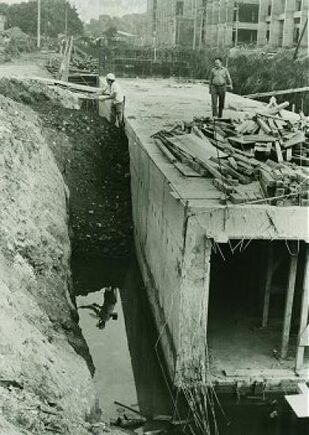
[[24, 16]]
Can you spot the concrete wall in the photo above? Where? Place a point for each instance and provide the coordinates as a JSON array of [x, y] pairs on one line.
[[215, 25], [283, 19], [173, 262], [158, 224], [176, 26], [221, 22]]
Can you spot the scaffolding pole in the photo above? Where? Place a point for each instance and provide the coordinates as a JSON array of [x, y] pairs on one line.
[[289, 305], [303, 315]]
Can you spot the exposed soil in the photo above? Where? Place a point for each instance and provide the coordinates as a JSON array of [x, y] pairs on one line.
[[39, 336], [94, 160], [49, 386]]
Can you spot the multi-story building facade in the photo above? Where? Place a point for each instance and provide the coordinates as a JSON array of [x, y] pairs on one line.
[[195, 23], [283, 22], [176, 23]]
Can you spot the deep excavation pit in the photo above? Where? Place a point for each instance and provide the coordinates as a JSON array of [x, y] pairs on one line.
[[45, 366], [38, 317]]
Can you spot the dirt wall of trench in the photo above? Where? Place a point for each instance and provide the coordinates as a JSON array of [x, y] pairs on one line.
[[45, 381]]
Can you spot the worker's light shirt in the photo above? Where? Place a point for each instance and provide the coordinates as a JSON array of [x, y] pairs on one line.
[[220, 76], [114, 89]]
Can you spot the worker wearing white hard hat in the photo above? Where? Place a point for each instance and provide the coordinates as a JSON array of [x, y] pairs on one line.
[[114, 93]]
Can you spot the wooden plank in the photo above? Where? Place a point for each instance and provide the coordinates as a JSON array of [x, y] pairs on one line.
[[273, 110], [186, 170], [263, 125], [170, 157], [278, 152], [297, 138], [303, 314], [255, 373], [196, 147], [219, 184], [231, 171], [272, 125], [304, 340], [268, 282], [299, 404], [289, 305], [71, 86], [278, 92]]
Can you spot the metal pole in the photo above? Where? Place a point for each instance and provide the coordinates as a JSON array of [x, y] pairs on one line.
[[39, 25]]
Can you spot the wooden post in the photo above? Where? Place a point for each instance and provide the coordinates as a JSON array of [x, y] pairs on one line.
[[195, 26], [303, 314], [39, 25], [268, 282], [289, 305]]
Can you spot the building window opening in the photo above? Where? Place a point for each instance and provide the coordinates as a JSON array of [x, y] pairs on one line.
[[299, 5], [269, 9], [246, 36], [296, 30], [280, 40], [248, 13], [236, 14], [179, 8]]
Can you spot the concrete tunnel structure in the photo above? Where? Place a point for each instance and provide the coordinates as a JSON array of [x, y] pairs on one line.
[[182, 230]]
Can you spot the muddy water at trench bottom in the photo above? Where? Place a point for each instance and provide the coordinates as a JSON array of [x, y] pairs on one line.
[[130, 370]]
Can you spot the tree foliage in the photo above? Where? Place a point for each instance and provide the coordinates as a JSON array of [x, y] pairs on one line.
[[132, 23], [24, 16]]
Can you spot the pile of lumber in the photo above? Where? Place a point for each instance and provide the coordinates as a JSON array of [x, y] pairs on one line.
[[265, 150]]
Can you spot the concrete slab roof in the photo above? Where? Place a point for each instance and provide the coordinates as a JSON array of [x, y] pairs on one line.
[[152, 105]]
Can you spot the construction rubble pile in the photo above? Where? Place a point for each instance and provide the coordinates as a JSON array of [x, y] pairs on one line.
[[13, 42], [31, 91], [262, 159], [80, 63]]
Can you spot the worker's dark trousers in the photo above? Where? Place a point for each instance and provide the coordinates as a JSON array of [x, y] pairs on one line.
[[217, 94]]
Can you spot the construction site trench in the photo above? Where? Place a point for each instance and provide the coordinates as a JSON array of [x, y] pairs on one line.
[[67, 235]]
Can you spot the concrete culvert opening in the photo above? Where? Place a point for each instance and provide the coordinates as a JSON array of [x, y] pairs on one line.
[[249, 311]]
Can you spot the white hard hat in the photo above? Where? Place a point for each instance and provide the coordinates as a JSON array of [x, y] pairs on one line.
[[111, 76]]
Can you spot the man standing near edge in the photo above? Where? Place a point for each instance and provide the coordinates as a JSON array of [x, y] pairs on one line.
[[219, 80], [114, 92]]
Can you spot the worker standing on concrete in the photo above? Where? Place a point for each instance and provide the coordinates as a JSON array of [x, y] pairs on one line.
[[219, 80], [114, 92]]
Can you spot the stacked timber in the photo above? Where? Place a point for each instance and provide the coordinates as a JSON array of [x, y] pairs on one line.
[[266, 150]]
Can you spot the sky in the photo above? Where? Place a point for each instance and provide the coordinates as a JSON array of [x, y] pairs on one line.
[[93, 8]]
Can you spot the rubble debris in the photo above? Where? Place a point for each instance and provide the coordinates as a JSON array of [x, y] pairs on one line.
[[13, 42], [30, 91], [266, 153], [80, 64]]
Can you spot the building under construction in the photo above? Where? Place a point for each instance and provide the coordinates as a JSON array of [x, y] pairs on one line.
[[226, 23]]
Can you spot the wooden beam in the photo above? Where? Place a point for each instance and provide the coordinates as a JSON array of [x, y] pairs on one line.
[[279, 92], [74, 87], [303, 314], [268, 281], [289, 305]]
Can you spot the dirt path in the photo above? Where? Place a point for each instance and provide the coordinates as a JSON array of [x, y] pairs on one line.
[[28, 65]]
